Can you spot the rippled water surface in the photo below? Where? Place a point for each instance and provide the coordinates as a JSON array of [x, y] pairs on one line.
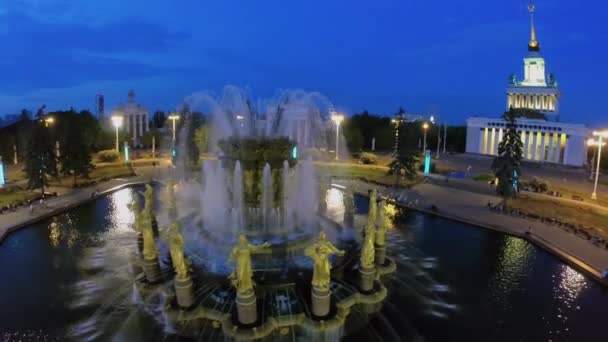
[[72, 281]]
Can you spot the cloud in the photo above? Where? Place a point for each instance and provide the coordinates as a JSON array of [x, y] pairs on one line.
[[41, 54]]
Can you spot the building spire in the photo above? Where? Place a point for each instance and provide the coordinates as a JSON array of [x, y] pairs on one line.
[[533, 44]]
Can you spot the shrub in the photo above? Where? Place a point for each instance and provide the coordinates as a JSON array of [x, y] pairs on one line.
[[484, 177], [538, 184], [108, 156], [368, 158]]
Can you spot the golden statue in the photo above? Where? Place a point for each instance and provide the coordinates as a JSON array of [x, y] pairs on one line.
[[176, 248], [241, 254], [382, 225], [149, 200], [368, 249], [150, 251], [145, 223], [171, 201], [320, 252]]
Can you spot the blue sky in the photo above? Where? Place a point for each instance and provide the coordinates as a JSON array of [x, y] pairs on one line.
[[452, 57]]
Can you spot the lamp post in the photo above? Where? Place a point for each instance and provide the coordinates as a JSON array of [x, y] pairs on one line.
[[425, 126], [117, 122], [337, 119], [593, 143], [601, 135], [173, 117]]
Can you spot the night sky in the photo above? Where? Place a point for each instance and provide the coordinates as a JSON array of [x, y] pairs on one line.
[[452, 57]]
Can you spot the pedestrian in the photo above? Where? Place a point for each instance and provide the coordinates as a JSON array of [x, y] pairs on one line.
[[31, 208]]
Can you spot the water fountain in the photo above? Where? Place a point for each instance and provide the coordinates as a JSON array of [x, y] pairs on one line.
[[254, 259]]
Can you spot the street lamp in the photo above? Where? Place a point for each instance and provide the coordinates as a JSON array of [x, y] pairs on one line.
[[117, 122], [601, 135], [49, 120], [337, 119], [425, 126], [593, 143], [173, 117]]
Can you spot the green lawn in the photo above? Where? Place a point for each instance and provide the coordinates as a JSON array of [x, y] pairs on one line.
[[100, 172], [565, 212], [17, 197], [370, 173], [484, 177]]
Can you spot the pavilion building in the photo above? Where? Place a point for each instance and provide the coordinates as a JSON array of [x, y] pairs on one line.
[[135, 118], [547, 140]]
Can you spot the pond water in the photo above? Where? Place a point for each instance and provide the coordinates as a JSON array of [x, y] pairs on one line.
[[73, 281]]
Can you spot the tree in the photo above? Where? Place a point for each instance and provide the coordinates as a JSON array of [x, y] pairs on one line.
[[403, 164], [76, 154], [187, 150], [26, 115], [40, 157], [146, 139], [159, 119], [506, 165], [201, 137]]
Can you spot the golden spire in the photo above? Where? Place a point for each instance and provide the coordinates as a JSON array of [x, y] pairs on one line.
[[533, 44]]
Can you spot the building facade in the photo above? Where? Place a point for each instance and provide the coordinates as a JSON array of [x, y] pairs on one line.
[[135, 118], [544, 141], [548, 140]]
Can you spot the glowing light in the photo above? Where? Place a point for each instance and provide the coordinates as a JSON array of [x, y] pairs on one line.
[[117, 120], [126, 148], [2, 181], [427, 164], [337, 118], [425, 126], [294, 152], [593, 142], [603, 134]]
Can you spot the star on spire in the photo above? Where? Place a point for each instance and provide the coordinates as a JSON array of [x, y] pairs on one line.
[[533, 45]]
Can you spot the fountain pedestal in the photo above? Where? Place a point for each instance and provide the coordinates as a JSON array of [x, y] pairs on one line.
[[152, 270], [184, 291], [380, 254], [366, 279], [321, 299], [246, 307]]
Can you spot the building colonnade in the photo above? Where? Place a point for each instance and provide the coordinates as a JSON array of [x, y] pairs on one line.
[[537, 145], [541, 102]]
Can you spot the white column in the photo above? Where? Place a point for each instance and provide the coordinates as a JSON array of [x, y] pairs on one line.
[[134, 131], [127, 119], [550, 156], [526, 144], [541, 152], [141, 125], [500, 133], [147, 122], [534, 145], [484, 145], [492, 138], [566, 149]]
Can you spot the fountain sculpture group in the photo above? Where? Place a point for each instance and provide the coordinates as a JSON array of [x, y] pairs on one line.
[[366, 289]]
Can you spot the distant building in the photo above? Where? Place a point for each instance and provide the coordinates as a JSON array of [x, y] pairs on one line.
[[544, 140], [135, 118]]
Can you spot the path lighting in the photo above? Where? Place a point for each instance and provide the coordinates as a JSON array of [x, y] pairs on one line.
[[240, 119], [2, 181], [425, 126], [117, 122], [173, 117], [593, 143], [397, 120], [337, 119], [601, 135], [49, 120]]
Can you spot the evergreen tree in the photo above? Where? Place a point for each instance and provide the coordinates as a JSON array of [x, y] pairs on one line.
[[76, 153], [506, 165], [40, 157], [403, 164]]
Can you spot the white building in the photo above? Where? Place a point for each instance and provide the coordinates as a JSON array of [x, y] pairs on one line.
[[135, 118], [544, 140]]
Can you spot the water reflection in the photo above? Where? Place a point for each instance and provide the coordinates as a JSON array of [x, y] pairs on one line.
[[121, 216]]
